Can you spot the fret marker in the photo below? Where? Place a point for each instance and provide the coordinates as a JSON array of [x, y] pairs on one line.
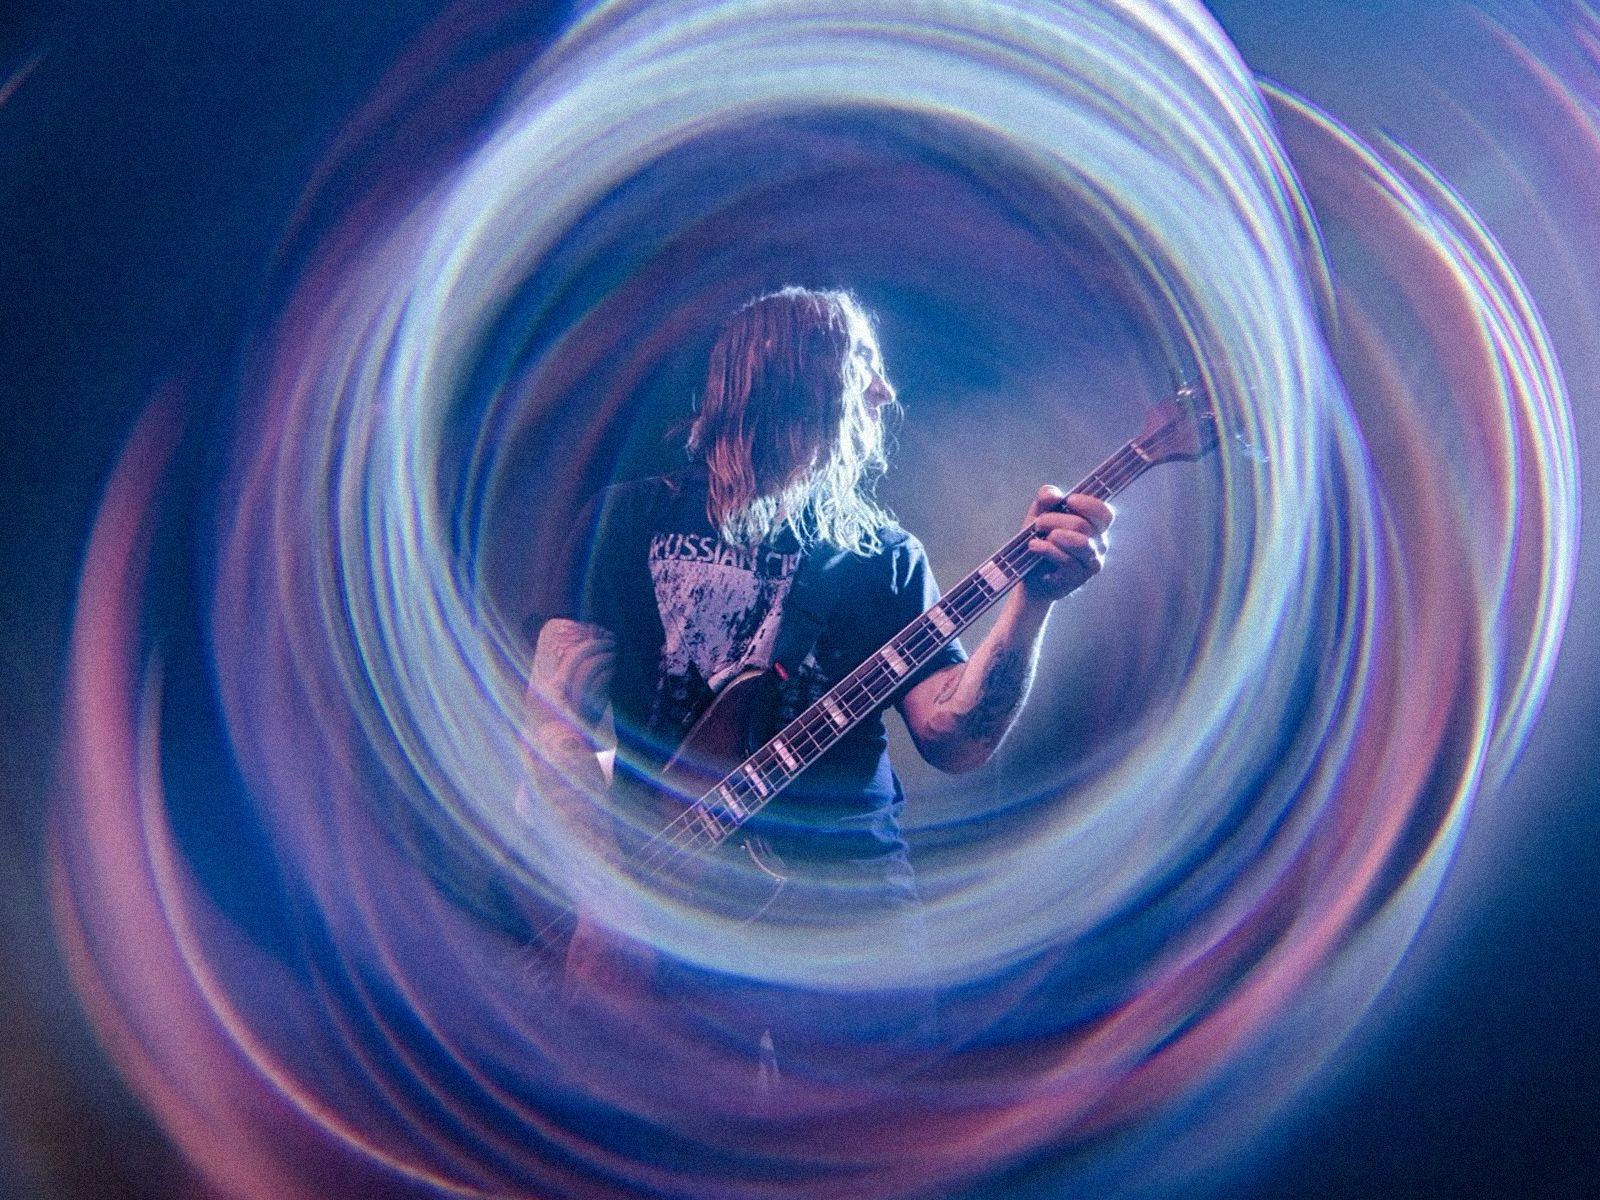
[[757, 781], [835, 714], [731, 802], [940, 621], [712, 826], [992, 575], [896, 663], [783, 753]]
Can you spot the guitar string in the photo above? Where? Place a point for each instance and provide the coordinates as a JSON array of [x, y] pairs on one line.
[[906, 642], [865, 682], [920, 639], [1119, 470], [874, 680]]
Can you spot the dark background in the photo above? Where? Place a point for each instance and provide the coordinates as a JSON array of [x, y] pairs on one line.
[[149, 164]]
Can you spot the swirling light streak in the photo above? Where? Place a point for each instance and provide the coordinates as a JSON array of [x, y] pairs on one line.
[[503, 214], [1245, 871]]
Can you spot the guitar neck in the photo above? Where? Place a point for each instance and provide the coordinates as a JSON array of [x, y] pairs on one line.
[[756, 781]]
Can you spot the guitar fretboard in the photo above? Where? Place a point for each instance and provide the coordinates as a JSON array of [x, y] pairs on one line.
[[755, 782]]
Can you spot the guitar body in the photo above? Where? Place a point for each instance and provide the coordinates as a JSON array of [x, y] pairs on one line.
[[740, 871], [736, 725], [739, 721]]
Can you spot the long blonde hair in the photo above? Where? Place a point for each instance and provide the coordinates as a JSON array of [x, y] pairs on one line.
[[785, 427]]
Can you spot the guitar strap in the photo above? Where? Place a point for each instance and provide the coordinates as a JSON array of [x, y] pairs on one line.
[[812, 598]]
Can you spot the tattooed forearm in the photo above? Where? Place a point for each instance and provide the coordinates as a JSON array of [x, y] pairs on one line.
[[959, 717], [1006, 681]]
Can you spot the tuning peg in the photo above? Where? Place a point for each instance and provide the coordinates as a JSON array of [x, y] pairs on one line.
[[1184, 385]]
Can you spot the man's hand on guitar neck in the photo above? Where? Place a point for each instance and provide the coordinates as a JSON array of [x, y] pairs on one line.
[[959, 716], [1073, 542]]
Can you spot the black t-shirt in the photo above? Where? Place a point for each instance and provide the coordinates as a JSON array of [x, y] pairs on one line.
[[688, 611]]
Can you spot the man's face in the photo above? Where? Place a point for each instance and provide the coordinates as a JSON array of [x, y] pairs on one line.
[[876, 390]]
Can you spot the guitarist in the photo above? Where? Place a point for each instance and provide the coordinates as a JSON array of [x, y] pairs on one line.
[[676, 583]]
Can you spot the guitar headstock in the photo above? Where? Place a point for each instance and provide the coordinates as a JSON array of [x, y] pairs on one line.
[[1183, 428]]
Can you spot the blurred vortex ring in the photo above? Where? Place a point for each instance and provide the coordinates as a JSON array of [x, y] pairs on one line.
[[1339, 633]]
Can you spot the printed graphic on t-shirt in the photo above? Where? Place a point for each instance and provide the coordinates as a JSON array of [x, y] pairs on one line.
[[719, 607]]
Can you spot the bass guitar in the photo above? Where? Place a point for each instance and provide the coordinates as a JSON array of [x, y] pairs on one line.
[[717, 780]]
